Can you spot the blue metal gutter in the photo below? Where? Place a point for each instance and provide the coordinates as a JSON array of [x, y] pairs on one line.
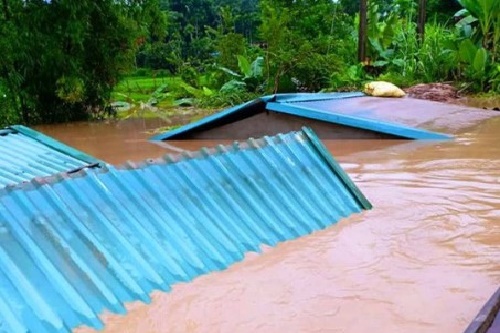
[[26, 153], [302, 97], [291, 104], [358, 122], [75, 245]]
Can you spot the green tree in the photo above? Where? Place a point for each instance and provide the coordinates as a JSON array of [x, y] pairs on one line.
[[306, 41], [64, 57]]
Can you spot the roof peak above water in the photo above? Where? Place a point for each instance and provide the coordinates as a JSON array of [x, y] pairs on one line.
[[305, 135], [27, 153], [76, 246], [332, 115]]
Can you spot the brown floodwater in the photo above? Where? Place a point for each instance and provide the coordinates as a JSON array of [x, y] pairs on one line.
[[117, 142], [483, 102], [424, 259]]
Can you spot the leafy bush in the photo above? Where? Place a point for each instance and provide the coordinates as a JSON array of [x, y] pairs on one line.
[[226, 99], [348, 80], [437, 57], [189, 75], [8, 114]]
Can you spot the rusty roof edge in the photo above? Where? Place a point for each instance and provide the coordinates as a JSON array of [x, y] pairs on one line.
[[335, 166], [55, 144]]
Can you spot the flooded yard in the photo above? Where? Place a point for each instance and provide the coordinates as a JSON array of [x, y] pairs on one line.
[[424, 259]]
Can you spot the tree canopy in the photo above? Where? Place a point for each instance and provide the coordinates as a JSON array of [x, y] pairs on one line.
[[64, 57], [61, 59]]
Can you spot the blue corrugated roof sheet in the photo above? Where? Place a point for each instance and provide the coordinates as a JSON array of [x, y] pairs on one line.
[[25, 154], [488, 318], [296, 105], [73, 245]]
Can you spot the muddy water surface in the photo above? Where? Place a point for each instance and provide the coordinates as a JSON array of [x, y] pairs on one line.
[[485, 102], [127, 140], [423, 260]]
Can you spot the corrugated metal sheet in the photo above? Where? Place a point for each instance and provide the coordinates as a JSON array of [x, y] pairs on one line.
[[74, 245], [488, 318], [25, 154], [300, 105]]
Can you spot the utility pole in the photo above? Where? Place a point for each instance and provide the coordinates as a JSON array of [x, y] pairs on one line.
[[362, 31], [421, 20]]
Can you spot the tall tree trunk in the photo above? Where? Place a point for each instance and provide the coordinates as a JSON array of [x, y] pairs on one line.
[[362, 31], [421, 20], [6, 10]]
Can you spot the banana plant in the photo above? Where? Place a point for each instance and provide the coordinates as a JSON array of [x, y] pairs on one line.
[[251, 76], [380, 35], [487, 13], [476, 61], [495, 79]]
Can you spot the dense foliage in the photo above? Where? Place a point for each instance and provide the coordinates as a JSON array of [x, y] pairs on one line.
[[62, 58]]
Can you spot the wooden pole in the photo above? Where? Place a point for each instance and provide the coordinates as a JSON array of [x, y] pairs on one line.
[[421, 20], [362, 31]]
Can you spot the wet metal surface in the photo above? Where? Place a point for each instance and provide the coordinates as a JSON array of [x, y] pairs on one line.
[[26, 154], [268, 123], [74, 245], [488, 318], [358, 115], [425, 259], [433, 116], [325, 111]]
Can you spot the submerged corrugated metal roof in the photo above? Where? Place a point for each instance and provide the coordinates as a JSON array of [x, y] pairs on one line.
[[25, 154], [73, 245], [322, 107]]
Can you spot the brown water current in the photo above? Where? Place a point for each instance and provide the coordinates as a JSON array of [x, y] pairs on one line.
[[424, 259]]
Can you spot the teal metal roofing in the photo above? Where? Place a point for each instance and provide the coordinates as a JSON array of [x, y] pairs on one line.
[[488, 318], [322, 109], [74, 245], [25, 154]]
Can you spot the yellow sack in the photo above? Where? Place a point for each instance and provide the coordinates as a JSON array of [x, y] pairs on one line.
[[383, 89]]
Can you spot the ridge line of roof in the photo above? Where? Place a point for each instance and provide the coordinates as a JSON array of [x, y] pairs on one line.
[[248, 144], [206, 120], [55, 144], [277, 98], [358, 122], [336, 168]]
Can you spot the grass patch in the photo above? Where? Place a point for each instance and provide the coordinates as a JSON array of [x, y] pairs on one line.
[[139, 89]]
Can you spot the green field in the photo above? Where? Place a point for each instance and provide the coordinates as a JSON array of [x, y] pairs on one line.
[[157, 97], [140, 89]]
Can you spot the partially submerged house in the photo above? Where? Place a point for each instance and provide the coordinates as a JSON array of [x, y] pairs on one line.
[[333, 116], [74, 245], [26, 154]]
